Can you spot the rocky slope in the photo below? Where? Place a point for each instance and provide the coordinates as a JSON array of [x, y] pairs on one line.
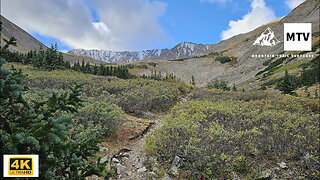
[[26, 42], [182, 50]]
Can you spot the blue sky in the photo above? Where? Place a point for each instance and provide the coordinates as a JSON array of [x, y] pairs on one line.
[[140, 24], [202, 22]]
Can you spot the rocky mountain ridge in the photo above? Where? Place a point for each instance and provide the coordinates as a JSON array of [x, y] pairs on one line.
[[182, 50]]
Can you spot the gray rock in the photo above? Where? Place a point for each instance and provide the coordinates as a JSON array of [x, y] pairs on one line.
[[138, 166], [129, 173], [152, 175], [124, 154], [235, 176], [176, 164], [166, 177], [105, 159], [309, 162], [283, 165], [94, 177], [115, 160], [174, 170], [155, 169], [135, 159], [177, 161], [152, 159], [148, 114], [120, 168], [103, 149], [306, 160], [143, 157], [143, 169], [266, 175]]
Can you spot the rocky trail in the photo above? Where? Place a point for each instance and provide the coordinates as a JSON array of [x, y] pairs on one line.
[[131, 162], [134, 164]]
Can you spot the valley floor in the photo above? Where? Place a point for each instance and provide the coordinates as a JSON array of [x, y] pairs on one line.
[[170, 130]]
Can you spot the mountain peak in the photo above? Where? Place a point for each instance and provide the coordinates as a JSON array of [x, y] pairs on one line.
[[181, 50]]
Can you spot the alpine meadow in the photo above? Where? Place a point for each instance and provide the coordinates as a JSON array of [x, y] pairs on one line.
[[242, 108]]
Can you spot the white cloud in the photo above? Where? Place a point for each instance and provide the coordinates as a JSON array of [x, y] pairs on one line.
[[124, 24], [293, 3], [213, 1], [259, 14]]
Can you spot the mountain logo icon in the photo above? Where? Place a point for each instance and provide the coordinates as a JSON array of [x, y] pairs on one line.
[[267, 38]]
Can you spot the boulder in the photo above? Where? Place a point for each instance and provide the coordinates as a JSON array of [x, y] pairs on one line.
[[105, 159], [120, 168], [143, 169]]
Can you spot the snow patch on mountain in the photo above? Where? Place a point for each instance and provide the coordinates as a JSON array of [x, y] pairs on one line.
[[182, 50]]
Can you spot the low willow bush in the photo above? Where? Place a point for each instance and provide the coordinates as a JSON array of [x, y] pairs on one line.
[[149, 98], [101, 119], [217, 137], [134, 96]]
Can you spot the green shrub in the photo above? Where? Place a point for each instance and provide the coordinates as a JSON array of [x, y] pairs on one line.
[[266, 63], [105, 117], [153, 64], [216, 137], [273, 66], [223, 59], [149, 97], [143, 66], [219, 84]]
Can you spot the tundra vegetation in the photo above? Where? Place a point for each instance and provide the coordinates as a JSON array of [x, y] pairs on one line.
[[218, 133]]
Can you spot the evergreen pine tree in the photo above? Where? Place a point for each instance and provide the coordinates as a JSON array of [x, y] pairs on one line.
[[234, 88], [82, 66], [35, 128], [287, 85], [192, 81], [95, 69]]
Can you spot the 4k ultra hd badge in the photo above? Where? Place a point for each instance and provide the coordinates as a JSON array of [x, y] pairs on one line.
[[21, 165], [297, 36]]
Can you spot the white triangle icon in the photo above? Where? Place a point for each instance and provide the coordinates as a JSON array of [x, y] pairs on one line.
[[267, 38]]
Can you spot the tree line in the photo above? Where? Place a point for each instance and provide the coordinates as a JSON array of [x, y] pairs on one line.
[[309, 76], [52, 59]]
